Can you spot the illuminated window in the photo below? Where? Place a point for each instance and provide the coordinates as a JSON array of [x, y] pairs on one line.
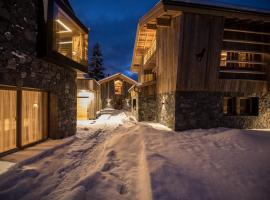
[[223, 59], [118, 87], [68, 38]]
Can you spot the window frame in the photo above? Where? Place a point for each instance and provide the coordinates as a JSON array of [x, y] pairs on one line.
[[45, 37], [236, 106], [19, 90]]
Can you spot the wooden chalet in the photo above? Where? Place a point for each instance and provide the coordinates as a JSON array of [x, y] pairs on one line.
[[202, 65], [88, 98], [114, 91]]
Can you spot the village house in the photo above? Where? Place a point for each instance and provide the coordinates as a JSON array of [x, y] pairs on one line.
[[202, 66], [88, 98], [114, 92], [42, 46]]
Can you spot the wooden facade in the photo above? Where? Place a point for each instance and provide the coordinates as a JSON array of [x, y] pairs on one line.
[[114, 91], [202, 48]]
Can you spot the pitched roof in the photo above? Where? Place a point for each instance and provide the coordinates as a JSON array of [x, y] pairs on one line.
[[118, 75]]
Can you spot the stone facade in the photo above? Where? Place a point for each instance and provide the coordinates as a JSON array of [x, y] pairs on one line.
[[205, 110], [193, 110], [146, 107], [20, 67], [166, 109]]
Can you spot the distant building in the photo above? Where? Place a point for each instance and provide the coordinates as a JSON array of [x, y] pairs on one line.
[[42, 45], [202, 66], [88, 98], [114, 91]]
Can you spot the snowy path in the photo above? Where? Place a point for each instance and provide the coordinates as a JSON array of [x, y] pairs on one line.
[[114, 158]]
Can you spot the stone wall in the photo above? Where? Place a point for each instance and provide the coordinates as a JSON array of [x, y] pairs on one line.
[[19, 65], [147, 107], [166, 109], [205, 110]]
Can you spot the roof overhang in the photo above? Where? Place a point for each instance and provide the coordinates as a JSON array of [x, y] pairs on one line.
[[161, 13], [146, 32], [118, 76]]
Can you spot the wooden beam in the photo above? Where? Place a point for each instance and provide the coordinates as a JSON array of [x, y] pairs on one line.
[[246, 31], [244, 51], [164, 22], [151, 26], [246, 62], [246, 42]]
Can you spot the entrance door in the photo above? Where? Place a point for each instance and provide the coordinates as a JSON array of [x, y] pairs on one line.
[[86, 105], [82, 108], [34, 116], [8, 112]]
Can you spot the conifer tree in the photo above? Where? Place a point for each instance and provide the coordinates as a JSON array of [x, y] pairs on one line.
[[96, 69]]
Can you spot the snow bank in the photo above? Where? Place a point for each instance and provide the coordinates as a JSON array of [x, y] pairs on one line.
[[114, 157], [209, 164]]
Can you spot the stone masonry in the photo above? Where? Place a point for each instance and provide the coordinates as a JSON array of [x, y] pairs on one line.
[[19, 65]]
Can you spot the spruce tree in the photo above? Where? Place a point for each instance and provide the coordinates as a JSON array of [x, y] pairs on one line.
[[96, 69]]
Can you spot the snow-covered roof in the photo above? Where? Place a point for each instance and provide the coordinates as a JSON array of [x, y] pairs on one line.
[[118, 75]]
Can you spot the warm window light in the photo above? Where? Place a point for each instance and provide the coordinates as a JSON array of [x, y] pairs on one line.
[[67, 42], [67, 29], [35, 105]]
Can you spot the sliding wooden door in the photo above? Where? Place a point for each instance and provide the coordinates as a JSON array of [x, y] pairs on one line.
[[34, 117], [8, 112]]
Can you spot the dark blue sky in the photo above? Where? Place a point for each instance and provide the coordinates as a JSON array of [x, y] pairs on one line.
[[113, 24]]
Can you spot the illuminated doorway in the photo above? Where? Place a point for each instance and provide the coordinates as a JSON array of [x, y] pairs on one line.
[[86, 105]]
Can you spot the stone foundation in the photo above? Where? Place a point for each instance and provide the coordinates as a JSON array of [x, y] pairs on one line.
[[20, 67], [147, 108], [166, 109], [195, 110]]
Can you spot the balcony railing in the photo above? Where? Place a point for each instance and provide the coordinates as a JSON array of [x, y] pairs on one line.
[[151, 51]]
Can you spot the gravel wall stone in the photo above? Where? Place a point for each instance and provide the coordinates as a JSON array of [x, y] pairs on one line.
[[19, 65]]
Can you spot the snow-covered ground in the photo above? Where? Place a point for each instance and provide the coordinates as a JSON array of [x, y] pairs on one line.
[[116, 158]]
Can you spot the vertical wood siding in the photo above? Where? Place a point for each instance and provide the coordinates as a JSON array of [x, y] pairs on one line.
[[168, 45], [199, 58]]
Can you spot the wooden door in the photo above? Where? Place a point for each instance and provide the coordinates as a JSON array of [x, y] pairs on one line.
[[82, 108], [34, 116], [8, 112], [86, 106]]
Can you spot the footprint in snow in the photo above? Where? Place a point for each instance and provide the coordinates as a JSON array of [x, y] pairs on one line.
[[122, 189]]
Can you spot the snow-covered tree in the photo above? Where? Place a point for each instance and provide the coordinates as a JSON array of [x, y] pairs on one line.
[[96, 69]]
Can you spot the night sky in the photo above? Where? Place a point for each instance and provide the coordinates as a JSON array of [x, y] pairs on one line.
[[113, 24]]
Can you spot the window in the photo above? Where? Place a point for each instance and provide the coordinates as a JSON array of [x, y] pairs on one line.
[[134, 104], [223, 59], [69, 39], [118, 87], [34, 117], [241, 106], [30, 126], [248, 106], [228, 106], [8, 115]]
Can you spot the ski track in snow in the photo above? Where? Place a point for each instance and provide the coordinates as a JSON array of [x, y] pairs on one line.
[[116, 158]]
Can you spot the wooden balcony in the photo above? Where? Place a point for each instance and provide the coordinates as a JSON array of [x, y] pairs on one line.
[[149, 60]]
